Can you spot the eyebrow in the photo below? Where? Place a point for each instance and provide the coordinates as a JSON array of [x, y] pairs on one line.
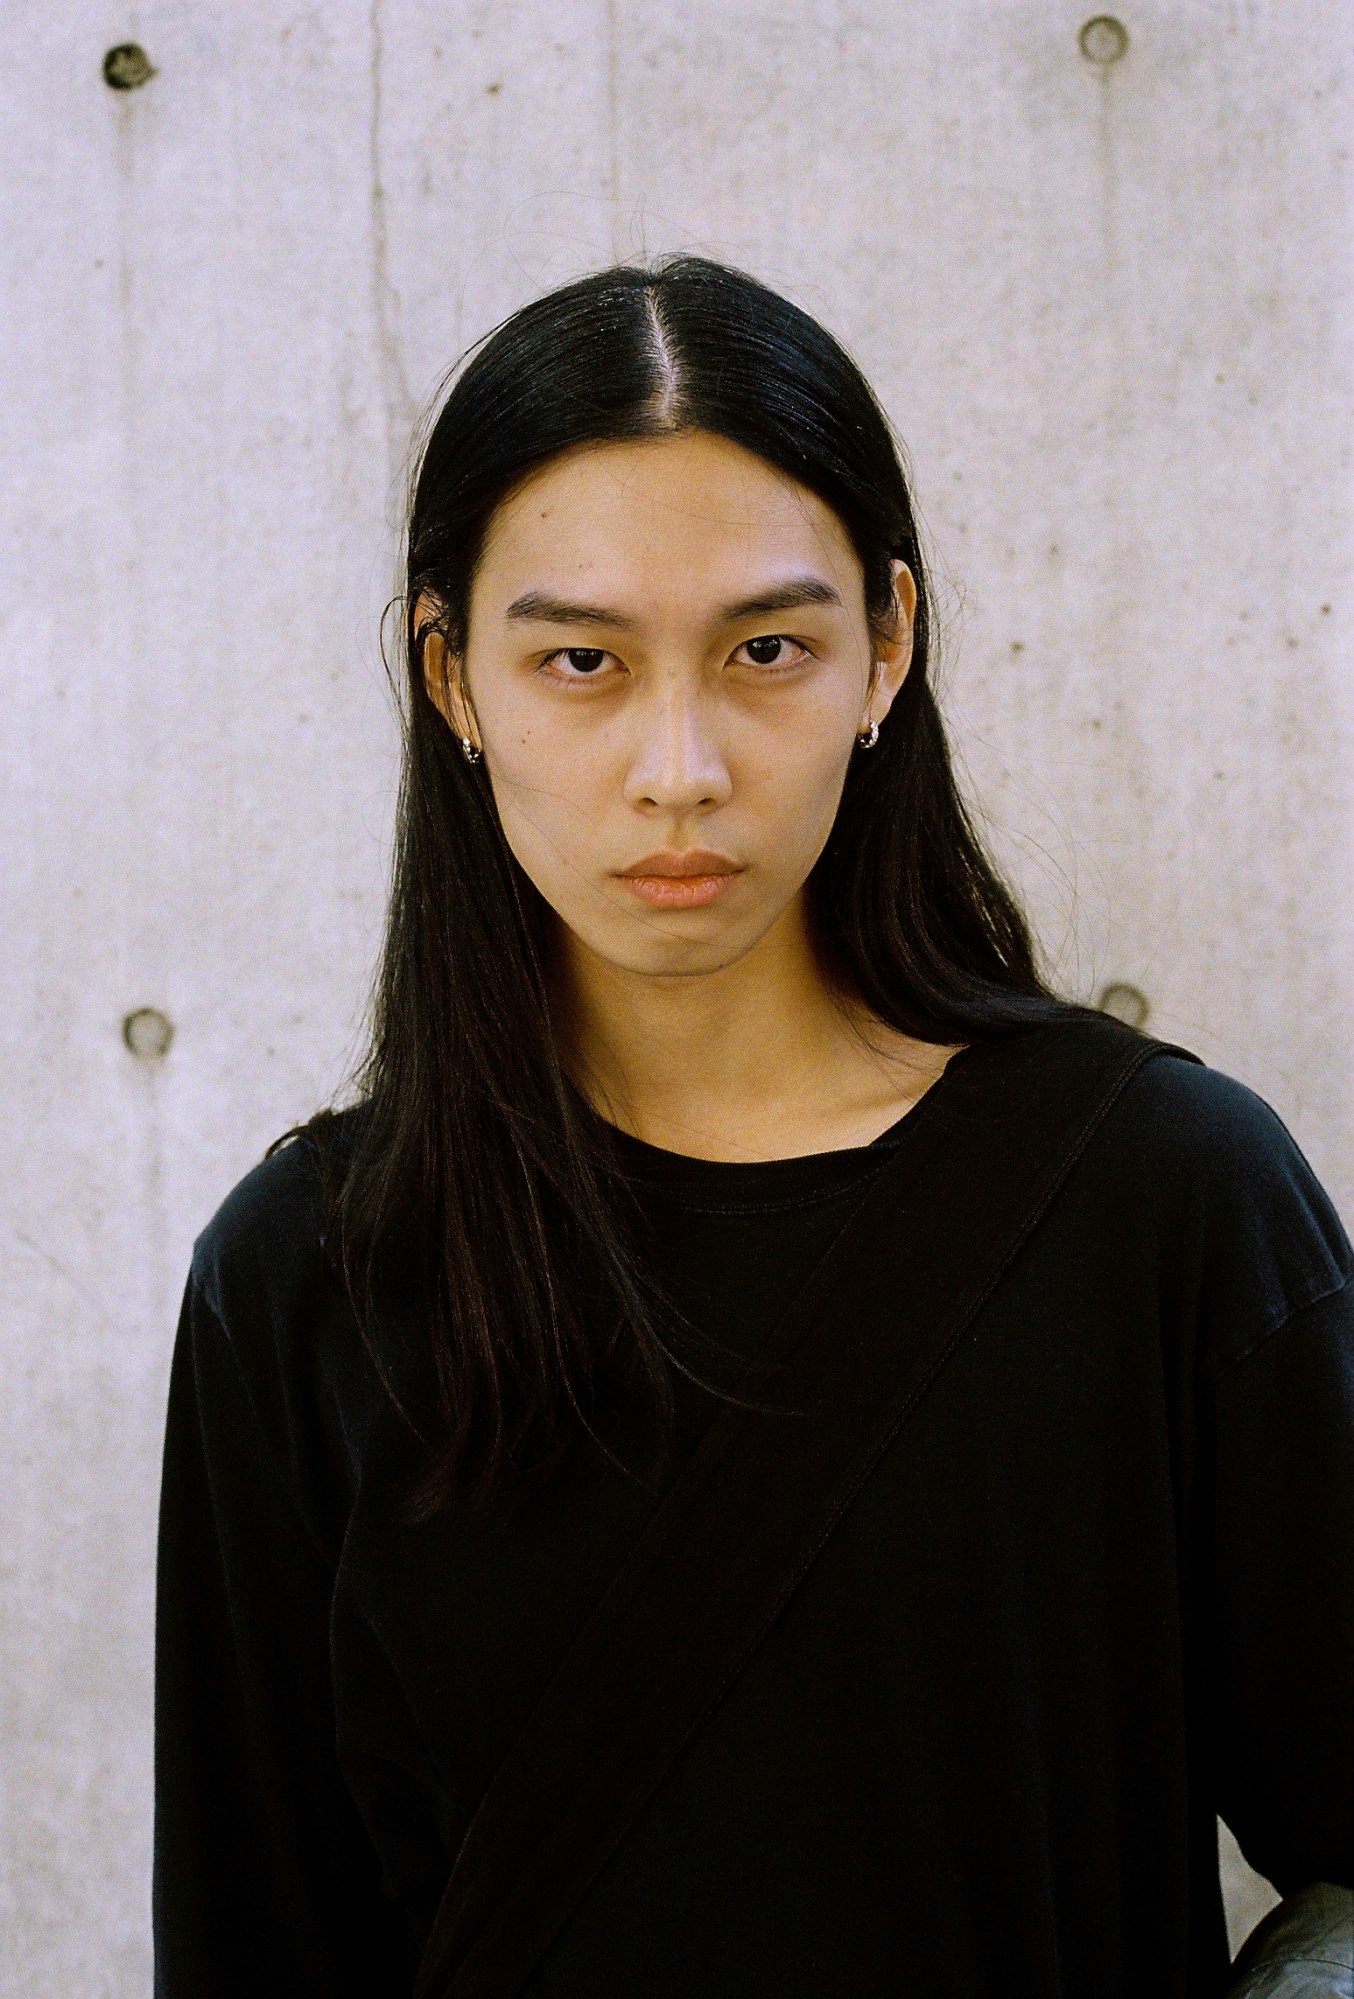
[[540, 607], [793, 595]]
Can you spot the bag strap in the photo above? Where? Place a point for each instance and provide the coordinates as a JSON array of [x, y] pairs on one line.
[[754, 1505]]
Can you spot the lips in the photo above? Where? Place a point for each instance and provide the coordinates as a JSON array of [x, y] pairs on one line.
[[668, 866], [681, 881]]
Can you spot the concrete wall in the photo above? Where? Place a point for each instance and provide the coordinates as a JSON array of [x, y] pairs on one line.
[[1108, 306]]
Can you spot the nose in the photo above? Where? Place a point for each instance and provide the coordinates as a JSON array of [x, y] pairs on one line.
[[677, 763]]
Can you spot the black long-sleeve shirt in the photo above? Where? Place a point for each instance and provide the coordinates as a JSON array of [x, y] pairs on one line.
[[1099, 1590]]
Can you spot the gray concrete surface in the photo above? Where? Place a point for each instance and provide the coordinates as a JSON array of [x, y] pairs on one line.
[[1109, 308]]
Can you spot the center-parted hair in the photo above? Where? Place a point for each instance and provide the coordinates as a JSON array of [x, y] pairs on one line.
[[472, 1182]]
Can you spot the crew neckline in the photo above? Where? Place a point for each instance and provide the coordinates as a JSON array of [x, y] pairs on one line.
[[800, 1179]]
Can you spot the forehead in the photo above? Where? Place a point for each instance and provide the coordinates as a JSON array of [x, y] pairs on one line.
[[639, 515]]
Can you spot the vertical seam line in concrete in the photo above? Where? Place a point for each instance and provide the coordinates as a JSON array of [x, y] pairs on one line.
[[613, 123], [395, 395]]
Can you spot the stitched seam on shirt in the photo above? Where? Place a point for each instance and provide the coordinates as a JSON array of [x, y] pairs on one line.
[[1214, 1376]]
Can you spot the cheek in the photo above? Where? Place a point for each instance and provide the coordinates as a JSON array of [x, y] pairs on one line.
[[551, 806], [793, 800]]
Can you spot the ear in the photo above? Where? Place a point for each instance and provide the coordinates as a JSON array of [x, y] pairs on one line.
[[892, 647], [442, 676]]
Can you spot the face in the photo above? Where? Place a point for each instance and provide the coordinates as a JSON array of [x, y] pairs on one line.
[[667, 662]]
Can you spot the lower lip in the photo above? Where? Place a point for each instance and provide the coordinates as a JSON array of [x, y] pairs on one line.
[[677, 891]]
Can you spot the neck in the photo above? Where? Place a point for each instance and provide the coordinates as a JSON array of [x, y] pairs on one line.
[[757, 1059]]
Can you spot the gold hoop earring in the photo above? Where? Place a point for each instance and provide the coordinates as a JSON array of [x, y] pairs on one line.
[[469, 751], [870, 737]]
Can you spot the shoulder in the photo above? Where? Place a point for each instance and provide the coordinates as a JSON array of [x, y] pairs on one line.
[[264, 1270], [1202, 1128], [1204, 1117], [267, 1238], [1241, 1219], [1189, 1181], [1196, 1125], [267, 1310]]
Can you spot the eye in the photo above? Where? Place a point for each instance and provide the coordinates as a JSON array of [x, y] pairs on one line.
[[577, 662], [775, 650]]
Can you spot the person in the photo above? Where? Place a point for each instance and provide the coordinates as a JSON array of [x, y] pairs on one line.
[[702, 1013]]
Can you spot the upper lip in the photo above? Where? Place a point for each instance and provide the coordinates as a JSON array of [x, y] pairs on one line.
[[695, 861]]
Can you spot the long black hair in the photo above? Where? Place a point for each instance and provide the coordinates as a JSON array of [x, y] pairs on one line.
[[471, 1159]]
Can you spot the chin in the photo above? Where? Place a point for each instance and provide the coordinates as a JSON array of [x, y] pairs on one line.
[[656, 946]]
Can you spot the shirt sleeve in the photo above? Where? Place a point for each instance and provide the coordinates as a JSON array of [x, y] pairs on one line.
[[1282, 1612], [265, 1881]]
